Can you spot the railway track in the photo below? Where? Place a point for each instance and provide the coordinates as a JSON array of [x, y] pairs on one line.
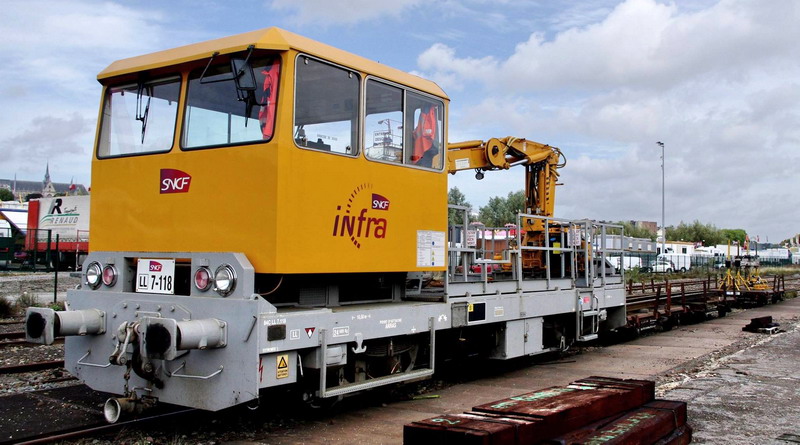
[[101, 428], [11, 339], [12, 335], [669, 302], [30, 367], [77, 416]]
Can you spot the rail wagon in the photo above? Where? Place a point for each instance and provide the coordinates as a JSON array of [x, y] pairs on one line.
[[271, 212]]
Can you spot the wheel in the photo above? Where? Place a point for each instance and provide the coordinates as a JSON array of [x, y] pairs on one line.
[[669, 270], [683, 270]]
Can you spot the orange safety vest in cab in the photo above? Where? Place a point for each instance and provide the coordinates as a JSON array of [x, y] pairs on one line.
[[425, 135], [266, 115]]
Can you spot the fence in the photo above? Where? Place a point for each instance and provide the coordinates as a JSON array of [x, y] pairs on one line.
[[648, 262]]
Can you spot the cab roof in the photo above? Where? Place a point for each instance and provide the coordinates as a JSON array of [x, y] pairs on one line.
[[271, 39]]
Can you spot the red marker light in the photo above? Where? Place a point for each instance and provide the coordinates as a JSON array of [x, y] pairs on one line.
[[202, 279]]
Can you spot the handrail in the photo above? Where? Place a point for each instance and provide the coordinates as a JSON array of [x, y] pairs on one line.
[[95, 365], [187, 376]]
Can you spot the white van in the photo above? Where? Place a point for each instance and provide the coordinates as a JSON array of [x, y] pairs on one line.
[[681, 262]]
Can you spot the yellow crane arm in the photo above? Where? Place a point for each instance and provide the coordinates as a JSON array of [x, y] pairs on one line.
[[541, 161], [496, 154]]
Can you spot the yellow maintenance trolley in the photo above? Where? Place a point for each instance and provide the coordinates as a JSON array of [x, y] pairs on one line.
[[269, 211]]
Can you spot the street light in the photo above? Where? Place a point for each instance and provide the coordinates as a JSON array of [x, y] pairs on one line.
[[663, 226]]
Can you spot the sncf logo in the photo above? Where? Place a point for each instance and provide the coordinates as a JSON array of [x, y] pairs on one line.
[[174, 181], [155, 266], [379, 202], [356, 218]]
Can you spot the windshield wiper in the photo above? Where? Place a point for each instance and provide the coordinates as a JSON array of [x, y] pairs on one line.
[[141, 114]]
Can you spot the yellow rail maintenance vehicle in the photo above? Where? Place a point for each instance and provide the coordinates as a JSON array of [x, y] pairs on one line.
[[269, 211]]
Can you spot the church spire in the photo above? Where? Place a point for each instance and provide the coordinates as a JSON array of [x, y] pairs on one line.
[[48, 190], [47, 174]]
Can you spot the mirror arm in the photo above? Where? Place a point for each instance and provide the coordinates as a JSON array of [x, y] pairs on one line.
[[203, 79], [250, 49]]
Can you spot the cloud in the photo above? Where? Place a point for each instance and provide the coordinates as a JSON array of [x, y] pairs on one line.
[[642, 44], [719, 85], [54, 50], [450, 71], [346, 12]]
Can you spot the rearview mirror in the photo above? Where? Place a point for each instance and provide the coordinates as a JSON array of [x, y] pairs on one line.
[[243, 75]]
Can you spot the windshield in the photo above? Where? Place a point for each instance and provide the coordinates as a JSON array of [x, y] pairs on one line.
[[139, 118], [217, 114]]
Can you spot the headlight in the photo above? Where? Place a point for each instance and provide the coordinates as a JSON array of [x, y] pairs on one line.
[[224, 280], [202, 279], [93, 275], [109, 275]]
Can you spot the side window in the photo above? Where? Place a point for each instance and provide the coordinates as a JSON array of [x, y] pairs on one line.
[[383, 124], [216, 115], [403, 127], [326, 107], [424, 131]]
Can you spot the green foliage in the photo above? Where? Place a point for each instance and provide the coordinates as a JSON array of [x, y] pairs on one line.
[[734, 235], [6, 195], [500, 211], [58, 306], [633, 231], [455, 197], [696, 232], [707, 234]]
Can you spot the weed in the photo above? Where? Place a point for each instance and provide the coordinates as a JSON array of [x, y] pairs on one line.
[[6, 308], [26, 300], [56, 306]]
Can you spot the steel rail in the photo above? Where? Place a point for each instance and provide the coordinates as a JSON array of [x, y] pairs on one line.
[[99, 428], [30, 367], [12, 335]]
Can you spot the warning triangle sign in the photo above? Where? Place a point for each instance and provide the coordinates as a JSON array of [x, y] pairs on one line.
[[282, 363], [310, 332]]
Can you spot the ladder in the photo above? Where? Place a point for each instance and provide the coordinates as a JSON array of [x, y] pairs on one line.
[[588, 316]]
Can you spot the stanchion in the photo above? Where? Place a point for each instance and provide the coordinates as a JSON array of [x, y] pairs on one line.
[[55, 279]]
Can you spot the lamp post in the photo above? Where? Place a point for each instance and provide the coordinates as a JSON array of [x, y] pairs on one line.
[[663, 226]]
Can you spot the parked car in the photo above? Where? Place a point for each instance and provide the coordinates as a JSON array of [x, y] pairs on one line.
[[660, 265]]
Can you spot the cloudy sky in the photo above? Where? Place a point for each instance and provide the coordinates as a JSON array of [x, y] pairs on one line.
[[717, 81]]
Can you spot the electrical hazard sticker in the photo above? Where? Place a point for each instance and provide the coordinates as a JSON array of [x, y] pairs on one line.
[[282, 366]]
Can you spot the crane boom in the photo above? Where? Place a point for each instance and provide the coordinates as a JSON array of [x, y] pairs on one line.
[[541, 162]]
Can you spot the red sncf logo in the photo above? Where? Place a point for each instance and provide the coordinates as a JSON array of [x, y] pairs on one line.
[[379, 202], [155, 266], [174, 181]]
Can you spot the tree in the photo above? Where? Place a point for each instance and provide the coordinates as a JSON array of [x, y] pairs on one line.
[[696, 232], [633, 231], [455, 197], [6, 195], [500, 211], [734, 235]]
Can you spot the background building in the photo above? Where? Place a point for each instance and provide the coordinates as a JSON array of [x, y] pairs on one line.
[[46, 187]]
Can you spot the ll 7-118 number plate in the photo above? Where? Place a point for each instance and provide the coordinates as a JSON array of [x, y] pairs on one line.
[[155, 276]]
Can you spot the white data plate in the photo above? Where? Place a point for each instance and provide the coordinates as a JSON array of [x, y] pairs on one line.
[[156, 276]]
